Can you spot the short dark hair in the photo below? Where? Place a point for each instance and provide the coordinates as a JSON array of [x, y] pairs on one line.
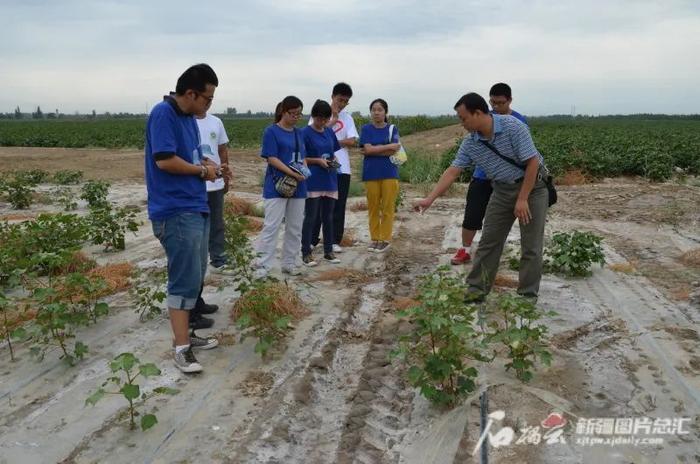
[[288, 103], [341, 88], [472, 102], [321, 109], [501, 90], [196, 78], [384, 104]]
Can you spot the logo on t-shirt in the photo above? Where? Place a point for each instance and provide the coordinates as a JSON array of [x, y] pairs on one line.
[[338, 126], [212, 135]]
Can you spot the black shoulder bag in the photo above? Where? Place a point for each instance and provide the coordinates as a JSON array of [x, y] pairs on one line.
[[287, 185], [548, 180]]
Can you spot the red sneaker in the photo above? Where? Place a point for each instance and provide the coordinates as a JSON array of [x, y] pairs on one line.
[[461, 257]]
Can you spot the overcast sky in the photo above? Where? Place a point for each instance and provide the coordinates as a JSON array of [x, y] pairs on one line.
[[601, 56]]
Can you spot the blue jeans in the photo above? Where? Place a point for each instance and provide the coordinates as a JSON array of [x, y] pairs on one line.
[[185, 238], [318, 209]]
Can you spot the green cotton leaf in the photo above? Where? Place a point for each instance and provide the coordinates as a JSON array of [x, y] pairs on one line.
[[519, 364], [244, 322], [101, 309], [95, 397], [166, 391], [19, 333], [148, 421], [262, 346], [80, 350], [148, 370], [130, 391], [403, 313], [415, 374], [124, 361], [283, 322], [546, 358]]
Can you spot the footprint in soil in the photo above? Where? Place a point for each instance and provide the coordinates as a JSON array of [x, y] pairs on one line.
[[695, 363]]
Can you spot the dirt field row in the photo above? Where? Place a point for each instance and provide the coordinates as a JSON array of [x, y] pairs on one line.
[[625, 344]]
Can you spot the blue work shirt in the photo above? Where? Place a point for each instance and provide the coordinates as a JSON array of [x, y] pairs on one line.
[[512, 139]]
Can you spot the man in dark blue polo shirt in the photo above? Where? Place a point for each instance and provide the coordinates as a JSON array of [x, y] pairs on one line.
[[518, 193], [177, 201]]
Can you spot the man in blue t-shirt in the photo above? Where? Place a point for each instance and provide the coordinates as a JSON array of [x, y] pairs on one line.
[[177, 201], [479, 190]]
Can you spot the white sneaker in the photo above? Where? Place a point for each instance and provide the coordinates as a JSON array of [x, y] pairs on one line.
[[186, 362], [203, 343], [222, 270], [309, 260], [337, 248], [291, 270], [382, 247]]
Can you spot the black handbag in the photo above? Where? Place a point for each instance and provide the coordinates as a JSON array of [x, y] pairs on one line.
[[287, 185], [545, 176]]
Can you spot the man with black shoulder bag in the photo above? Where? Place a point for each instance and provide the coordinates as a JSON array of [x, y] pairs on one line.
[[502, 146]]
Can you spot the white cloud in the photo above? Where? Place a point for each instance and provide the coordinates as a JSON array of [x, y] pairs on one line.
[[603, 57]]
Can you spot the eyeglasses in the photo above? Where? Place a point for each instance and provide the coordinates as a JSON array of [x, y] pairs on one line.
[[295, 114], [206, 97]]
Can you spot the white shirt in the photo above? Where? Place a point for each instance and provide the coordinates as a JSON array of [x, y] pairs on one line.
[[344, 128], [212, 134]]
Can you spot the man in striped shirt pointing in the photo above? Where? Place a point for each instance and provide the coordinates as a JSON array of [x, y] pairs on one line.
[[502, 146]]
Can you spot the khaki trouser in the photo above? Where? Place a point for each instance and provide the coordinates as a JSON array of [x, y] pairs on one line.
[[497, 224], [381, 199]]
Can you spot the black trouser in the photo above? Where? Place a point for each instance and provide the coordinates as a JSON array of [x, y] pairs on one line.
[[338, 213], [315, 208]]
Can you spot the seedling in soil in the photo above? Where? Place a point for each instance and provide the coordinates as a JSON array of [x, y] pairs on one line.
[[19, 193], [67, 176], [512, 323], [443, 340], [95, 193], [62, 305], [267, 308], [127, 368], [54, 326], [107, 226], [239, 251], [65, 197], [574, 253], [4, 304], [148, 298], [32, 177], [82, 292]]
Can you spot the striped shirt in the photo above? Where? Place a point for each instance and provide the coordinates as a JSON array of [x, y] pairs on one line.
[[511, 137]]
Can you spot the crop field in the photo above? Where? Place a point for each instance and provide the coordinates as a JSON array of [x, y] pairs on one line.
[[377, 359], [599, 147], [129, 133]]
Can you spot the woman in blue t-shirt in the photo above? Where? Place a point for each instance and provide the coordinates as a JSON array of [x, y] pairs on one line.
[[378, 141], [282, 147], [321, 145]]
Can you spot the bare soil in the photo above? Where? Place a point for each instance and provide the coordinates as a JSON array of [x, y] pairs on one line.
[[625, 344]]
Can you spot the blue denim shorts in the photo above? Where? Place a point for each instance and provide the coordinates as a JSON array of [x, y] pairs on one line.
[[185, 238]]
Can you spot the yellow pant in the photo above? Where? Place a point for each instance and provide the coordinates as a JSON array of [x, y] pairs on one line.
[[381, 198]]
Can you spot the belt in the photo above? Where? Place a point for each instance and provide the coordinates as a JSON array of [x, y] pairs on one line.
[[516, 181]]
